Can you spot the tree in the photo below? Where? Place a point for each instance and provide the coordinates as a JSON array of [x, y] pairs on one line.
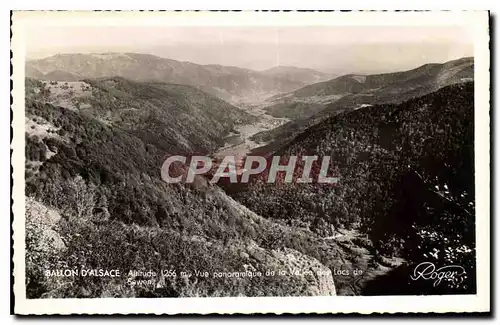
[[80, 197]]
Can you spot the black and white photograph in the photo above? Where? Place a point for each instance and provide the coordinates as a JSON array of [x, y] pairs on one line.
[[250, 155]]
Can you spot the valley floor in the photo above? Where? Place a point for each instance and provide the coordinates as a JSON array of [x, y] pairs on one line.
[[240, 144]]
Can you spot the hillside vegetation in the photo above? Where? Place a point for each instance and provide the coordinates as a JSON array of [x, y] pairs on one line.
[[95, 200], [173, 117], [406, 179]]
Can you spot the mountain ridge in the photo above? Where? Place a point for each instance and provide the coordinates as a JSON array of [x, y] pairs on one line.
[[230, 83], [317, 101], [306, 75]]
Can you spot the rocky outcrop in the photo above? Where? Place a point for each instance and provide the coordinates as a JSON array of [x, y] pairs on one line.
[[319, 279], [40, 223], [316, 279]]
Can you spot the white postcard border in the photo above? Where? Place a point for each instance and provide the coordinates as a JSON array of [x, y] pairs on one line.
[[475, 22]]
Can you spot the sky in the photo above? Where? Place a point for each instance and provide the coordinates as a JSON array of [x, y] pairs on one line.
[[329, 49]]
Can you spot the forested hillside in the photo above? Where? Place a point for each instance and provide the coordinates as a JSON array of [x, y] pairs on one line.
[[173, 117], [406, 178], [95, 199]]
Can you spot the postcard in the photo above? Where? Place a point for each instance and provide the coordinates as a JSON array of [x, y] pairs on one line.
[[250, 162]]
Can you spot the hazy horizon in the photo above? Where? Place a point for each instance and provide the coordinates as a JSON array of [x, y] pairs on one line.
[[327, 49]]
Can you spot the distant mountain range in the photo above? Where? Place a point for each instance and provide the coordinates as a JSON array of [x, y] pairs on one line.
[[308, 76], [236, 85], [310, 104], [439, 74]]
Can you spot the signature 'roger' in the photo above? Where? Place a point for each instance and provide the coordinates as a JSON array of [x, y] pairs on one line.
[[428, 271]]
